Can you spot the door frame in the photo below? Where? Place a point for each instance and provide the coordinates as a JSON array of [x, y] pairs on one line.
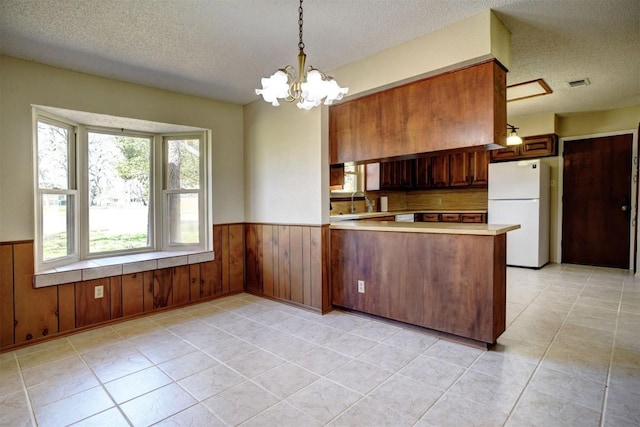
[[634, 231]]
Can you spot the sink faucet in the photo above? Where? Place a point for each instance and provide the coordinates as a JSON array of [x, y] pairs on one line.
[[366, 199]]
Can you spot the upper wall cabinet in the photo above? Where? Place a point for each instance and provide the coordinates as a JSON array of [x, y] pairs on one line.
[[458, 109], [531, 147]]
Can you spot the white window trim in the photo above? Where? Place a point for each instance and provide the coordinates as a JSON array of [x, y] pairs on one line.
[[38, 193], [79, 163]]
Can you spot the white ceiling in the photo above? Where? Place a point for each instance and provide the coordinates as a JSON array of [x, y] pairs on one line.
[[220, 49]]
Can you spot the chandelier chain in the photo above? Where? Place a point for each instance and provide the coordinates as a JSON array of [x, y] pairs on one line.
[[300, 22]]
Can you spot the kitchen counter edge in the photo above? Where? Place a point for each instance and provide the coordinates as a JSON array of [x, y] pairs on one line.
[[425, 227]]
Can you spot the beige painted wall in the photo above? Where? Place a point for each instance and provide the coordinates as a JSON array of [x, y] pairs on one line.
[[23, 83], [534, 124], [599, 122], [281, 138], [469, 41], [283, 176]]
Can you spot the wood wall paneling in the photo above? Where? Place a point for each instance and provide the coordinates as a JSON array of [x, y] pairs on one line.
[[116, 296], [284, 265], [223, 286], [132, 294], [162, 288], [296, 255], [194, 282], [35, 309], [306, 267], [147, 290], [457, 286], [181, 284], [236, 258], [253, 258], [7, 328], [89, 309], [269, 273], [66, 307], [286, 262]]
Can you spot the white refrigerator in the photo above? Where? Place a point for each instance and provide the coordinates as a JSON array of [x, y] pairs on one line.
[[519, 194]]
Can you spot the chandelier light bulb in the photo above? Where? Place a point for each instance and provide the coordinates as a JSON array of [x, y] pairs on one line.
[[309, 89]]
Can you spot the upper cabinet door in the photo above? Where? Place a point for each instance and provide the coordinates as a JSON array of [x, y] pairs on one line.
[[459, 173], [479, 165], [439, 171], [443, 112]]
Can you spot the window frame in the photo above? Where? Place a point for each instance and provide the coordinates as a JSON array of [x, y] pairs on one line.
[[166, 193], [71, 190], [83, 167], [158, 209]]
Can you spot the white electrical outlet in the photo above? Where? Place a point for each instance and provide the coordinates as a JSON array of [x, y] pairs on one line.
[[361, 286], [98, 291]]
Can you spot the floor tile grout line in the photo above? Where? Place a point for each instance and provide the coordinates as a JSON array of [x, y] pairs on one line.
[[25, 392], [542, 358], [603, 413], [449, 388], [104, 388]]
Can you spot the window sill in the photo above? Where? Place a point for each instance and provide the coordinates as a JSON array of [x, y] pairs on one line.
[[117, 266]]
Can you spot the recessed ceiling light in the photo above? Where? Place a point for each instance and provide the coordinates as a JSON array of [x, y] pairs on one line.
[[579, 82], [525, 90]]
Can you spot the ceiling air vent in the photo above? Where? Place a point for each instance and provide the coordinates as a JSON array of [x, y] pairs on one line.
[[578, 83]]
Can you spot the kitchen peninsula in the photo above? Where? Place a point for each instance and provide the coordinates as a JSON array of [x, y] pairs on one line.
[[443, 276]]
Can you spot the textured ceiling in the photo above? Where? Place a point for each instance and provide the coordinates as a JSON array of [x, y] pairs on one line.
[[220, 49]]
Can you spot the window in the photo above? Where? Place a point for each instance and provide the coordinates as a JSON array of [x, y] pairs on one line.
[[353, 179], [56, 191], [135, 191], [182, 190], [119, 192]]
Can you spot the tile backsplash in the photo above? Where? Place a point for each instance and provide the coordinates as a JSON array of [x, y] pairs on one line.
[[445, 199]]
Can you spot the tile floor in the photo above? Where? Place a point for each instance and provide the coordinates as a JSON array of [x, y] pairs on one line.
[[569, 357]]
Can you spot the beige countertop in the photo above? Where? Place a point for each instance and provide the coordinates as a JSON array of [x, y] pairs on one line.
[[425, 227], [365, 215]]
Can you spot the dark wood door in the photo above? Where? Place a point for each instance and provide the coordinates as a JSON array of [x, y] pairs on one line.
[[596, 212]]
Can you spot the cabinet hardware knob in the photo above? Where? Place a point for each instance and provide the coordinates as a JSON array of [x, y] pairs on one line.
[[45, 332], [29, 336]]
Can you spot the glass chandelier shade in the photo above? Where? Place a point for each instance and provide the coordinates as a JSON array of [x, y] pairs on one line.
[[307, 86]]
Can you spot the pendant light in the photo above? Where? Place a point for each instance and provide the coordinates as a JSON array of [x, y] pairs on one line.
[[513, 138], [306, 86]]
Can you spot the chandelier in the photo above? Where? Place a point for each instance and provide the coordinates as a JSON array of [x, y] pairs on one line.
[[307, 86]]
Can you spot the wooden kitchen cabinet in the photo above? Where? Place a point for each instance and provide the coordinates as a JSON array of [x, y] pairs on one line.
[[450, 217], [428, 217], [479, 165], [466, 217], [459, 169], [336, 175], [430, 172], [478, 218], [531, 147], [444, 112], [393, 175], [439, 166], [422, 171], [469, 168]]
